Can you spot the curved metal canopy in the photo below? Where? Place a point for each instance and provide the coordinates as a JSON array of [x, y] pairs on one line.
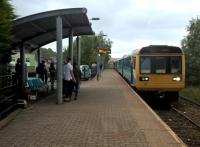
[[40, 29]]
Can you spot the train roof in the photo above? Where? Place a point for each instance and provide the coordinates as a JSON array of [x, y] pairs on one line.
[[154, 49], [160, 49], [133, 52]]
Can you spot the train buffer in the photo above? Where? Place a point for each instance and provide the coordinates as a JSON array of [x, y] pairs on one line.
[[107, 113]]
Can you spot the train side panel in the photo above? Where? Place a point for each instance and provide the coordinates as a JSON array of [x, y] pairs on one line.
[[128, 70], [120, 66]]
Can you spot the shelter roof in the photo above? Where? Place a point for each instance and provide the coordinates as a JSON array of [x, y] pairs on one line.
[[40, 29]]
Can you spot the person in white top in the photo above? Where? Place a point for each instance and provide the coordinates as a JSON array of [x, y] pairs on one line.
[[68, 79]]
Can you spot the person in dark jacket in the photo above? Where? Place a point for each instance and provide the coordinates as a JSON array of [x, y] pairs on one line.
[[18, 70], [52, 71], [77, 76], [18, 80], [42, 71]]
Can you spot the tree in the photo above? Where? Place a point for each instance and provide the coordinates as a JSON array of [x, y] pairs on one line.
[[65, 54], [89, 45], [6, 18], [47, 53], [191, 47]]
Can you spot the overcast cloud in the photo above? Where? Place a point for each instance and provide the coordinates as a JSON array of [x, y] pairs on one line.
[[130, 24]]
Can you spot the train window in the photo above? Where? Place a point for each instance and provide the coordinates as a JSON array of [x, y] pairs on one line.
[[145, 65], [160, 65], [175, 65]]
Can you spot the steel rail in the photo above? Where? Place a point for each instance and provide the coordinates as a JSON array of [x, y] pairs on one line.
[[179, 112], [189, 100]]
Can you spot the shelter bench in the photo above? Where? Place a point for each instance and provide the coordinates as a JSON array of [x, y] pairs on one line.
[[36, 85]]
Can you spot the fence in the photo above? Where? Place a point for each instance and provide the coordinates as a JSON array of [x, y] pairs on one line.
[[8, 93]]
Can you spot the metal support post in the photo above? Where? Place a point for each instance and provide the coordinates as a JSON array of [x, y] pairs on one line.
[[22, 58], [39, 56], [71, 45], [59, 60], [97, 67], [100, 65], [78, 51]]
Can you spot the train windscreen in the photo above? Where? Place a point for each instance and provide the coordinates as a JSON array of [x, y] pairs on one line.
[[160, 65], [145, 63], [175, 64]]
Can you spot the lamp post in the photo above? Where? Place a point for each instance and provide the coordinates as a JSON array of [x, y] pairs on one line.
[[102, 47], [97, 64], [97, 51]]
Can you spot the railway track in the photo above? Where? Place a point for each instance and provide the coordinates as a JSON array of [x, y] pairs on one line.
[[184, 119], [188, 109], [189, 100]]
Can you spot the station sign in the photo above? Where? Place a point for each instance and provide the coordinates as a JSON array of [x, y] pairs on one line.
[[104, 51]]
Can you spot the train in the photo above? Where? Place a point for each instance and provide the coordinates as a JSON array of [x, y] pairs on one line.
[[154, 69]]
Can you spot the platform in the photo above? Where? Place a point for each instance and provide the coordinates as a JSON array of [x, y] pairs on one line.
[[107, 113]]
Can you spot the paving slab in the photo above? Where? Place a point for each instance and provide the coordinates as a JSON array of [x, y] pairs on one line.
[[108, 113]]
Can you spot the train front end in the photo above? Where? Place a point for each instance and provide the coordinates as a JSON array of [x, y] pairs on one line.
[[160, 69]]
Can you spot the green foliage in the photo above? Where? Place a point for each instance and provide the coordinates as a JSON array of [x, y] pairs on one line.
[[89, 45], [47, 53], [6, 18], [65, 54], [192, 92], [191, 47], [88, 49]]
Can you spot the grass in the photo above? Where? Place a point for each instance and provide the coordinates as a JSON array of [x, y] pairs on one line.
[[192, 92]]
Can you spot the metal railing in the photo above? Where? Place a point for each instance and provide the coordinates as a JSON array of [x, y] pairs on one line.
[[8, 94]]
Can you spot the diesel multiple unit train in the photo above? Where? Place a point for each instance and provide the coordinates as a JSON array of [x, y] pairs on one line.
[[155, 69]]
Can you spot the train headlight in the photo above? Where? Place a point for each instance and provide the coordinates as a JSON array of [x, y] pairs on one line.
[[144, 78], [176, 78]]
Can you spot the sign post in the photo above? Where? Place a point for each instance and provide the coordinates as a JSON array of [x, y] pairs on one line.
[[100, 52]]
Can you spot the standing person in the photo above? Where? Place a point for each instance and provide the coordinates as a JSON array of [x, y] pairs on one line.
[[18, 70], [101, 67], [42, 71], [77, 76], [52, 71], [69, 79], [45, 74]]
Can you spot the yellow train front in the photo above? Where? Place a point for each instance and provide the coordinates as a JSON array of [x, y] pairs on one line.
[[158, 69]]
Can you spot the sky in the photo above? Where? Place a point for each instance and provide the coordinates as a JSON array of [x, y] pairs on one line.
[[130, 24]]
